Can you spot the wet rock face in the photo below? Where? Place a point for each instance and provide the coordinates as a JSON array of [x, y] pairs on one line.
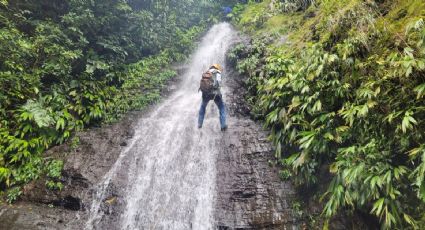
[[69, 202], [23, 216], [84, 166], [97, 151], [250, 193], [235, 95]]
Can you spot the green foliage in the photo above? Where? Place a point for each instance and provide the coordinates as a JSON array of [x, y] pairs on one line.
[[54, 185], [75, 142], [68, 65], [54, 173], [253, 15], [236, 12], [35, 112], [285, 174], [54, 169], [13, 194], [349, 100], [297, 209], [292, 5]]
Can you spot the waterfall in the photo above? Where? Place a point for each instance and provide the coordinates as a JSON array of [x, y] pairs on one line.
[[169, 164]]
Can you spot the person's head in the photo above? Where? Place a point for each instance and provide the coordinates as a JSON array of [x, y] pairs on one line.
[[216, 66]]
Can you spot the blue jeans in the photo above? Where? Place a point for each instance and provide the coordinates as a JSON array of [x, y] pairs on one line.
[[218, 99]]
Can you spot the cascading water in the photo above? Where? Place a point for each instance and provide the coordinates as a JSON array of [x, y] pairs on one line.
[[170, 165]]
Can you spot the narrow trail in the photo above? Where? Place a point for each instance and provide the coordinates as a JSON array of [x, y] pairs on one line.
[[170, 164]]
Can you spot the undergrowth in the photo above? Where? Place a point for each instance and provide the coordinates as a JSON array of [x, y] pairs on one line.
[[344, 90], [70, 65]]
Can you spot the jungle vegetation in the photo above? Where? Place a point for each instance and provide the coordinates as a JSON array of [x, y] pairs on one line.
[[66, 65], [341, 86]]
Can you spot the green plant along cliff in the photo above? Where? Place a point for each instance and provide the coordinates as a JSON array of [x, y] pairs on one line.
[[66, 65], [341, 85]]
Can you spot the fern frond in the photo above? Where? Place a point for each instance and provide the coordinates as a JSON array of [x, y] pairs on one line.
[[35, 111]]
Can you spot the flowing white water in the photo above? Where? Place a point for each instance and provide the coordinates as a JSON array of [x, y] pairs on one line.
[[171, 174]]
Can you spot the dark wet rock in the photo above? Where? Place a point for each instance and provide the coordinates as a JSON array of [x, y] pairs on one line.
[[69, 202], [84, 167], [235, 97], [30, 216], [250, 193]]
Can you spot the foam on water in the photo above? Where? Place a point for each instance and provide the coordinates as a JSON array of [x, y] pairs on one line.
[[171, 171]]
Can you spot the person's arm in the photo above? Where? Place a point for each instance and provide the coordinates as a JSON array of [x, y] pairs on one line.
[[218, 78]]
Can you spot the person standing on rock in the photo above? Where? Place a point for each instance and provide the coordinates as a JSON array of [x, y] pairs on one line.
[[210, 87]]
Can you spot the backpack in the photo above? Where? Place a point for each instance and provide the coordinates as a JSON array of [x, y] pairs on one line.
[[207, 83]]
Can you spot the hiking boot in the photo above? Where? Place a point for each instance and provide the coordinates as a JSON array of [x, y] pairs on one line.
[[199, 126], [224, 128]]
